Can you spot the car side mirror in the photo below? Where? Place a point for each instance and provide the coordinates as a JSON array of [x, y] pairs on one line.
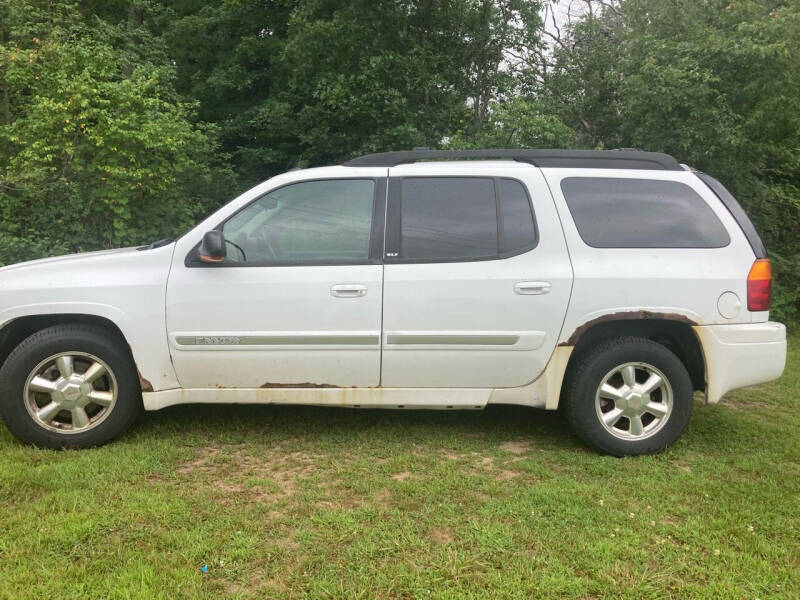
[[212, 249]]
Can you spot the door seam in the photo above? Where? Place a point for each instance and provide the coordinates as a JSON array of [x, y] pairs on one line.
[[383, 277]]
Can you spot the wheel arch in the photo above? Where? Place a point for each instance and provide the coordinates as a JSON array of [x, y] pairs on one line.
[[14, 331], [672, 331]]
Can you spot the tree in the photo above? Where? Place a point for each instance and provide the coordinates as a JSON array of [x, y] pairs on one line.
[[97, 151], [517, 123], [361, 76], [315, 81], [227, 58]]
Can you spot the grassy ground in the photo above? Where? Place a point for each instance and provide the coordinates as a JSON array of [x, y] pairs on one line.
[[292, 502]]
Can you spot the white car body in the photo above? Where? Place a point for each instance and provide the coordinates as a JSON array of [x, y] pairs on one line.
[[433, 335]]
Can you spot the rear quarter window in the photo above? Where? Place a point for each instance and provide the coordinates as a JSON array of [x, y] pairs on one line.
[[641, 213]]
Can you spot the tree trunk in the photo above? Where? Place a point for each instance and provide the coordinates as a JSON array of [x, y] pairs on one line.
[[136, 15], [482, 67]]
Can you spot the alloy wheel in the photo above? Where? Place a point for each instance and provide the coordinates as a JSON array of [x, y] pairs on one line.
[[634, 401], [70, 392]]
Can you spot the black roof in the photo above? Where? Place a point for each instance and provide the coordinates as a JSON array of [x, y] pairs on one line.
[[590, 159]]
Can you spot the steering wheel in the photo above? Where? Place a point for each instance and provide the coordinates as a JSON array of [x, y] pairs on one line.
[[238, 247]]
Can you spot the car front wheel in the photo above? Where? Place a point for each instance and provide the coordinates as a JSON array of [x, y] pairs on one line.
[[70, 385]]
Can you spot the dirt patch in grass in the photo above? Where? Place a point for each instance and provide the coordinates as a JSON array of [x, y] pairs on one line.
[[257, 584], [383, 499], [205, 456], [440, 535], [452, 454], [487, 467], [238, 475], [734, 402], [504, 475], [241, 474], [344, 503], [518, 447], [403, 476]]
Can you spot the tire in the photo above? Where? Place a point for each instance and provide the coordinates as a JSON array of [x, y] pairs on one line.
[[40, 410], [637, 420]]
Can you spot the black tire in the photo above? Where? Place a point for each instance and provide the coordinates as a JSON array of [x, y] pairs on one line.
[[587, 373], [81, 338]]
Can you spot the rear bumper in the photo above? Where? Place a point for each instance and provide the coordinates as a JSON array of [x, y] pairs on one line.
[[740, 355]]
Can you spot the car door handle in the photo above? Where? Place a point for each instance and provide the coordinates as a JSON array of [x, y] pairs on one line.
[[348, 290], [532, 287]]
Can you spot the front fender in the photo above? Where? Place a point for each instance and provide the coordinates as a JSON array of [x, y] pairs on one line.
[[126, 287]]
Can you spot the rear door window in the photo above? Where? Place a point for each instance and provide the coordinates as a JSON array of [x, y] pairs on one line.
[[448, 217], [641, 213], [445, 219]]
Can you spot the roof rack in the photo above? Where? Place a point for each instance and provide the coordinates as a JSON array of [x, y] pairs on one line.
[[591, 159]]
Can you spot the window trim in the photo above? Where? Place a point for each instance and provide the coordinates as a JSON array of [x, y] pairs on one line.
[[637, 248], [376, 241], [393, 246]]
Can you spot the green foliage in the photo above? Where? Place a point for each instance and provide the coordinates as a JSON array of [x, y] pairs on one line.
[[227, 57], [516, 123], [97, 151], [313, 82]]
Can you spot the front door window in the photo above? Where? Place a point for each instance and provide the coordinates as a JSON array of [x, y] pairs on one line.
[[311, 222]]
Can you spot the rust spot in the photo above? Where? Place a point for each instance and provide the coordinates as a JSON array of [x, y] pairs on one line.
[[624, 316], [305, 384], [143, 383]]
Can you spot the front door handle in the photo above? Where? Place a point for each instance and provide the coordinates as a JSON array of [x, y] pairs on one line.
[[532, 287], [348, 290]]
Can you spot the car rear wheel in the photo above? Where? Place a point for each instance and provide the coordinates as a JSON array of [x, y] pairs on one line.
[[71, 385], [628, 396]]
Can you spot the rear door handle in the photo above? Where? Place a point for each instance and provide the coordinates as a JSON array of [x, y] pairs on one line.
[[532, 287], [348, 290]]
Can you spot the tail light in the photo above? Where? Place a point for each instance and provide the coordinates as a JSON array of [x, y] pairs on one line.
[[759, 285]]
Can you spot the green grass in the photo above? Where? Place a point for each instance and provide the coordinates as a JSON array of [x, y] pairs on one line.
[[295, 502]]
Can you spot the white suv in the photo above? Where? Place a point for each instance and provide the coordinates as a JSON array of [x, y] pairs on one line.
[[611, 284]]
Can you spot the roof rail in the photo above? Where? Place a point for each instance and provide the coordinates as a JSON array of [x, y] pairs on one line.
[[591, 159]]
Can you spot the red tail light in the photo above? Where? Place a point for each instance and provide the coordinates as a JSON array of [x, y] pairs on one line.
[[759, 285]]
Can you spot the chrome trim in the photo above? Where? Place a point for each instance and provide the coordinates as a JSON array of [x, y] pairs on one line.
[[450, 339], [277, 340]]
